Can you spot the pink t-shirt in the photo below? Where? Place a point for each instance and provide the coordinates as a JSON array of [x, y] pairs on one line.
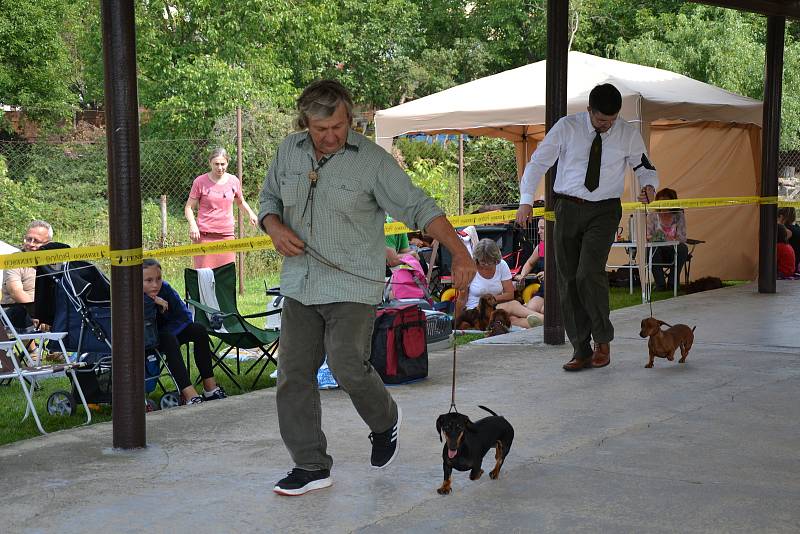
[[215, 203]]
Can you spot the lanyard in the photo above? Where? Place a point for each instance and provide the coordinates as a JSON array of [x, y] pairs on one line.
[[313, 176]]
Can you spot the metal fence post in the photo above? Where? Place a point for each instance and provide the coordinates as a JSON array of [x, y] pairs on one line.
[[239, 172], [461, 174], [163, 221]]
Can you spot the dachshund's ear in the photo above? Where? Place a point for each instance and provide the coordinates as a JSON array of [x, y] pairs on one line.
[[439, 427], [661, 323]]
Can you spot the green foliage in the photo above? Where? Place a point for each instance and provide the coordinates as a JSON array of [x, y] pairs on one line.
[[698, 42], [413, 150], [17, 209], [486, 172], [438, 179], [264, 126], [37, 63]]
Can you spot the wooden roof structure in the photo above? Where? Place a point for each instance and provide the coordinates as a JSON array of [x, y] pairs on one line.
[[779, 8]]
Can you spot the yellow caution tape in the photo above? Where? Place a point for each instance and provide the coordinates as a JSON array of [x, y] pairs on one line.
[[247, 244], [125, 258]]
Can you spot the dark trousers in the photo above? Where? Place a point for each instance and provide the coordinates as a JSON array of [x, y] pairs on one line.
[[663, 276], [18, 315], [343, 330], [583, 235], [169, 345]]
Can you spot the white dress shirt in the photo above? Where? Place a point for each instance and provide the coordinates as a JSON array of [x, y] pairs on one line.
[[569, 141]]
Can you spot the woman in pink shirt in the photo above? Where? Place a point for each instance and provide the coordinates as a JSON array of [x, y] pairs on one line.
[[212, 195]]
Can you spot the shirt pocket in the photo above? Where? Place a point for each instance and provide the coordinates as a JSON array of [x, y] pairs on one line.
[[290, 185]]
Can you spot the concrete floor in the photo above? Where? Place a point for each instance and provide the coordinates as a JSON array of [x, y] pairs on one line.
[[712, 445]]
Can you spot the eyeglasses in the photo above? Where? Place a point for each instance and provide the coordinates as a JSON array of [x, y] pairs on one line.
[[33, 241]]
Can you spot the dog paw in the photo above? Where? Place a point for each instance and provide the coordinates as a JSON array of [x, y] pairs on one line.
[[494, 474], [648, 366], [476, 476], [443, 491]]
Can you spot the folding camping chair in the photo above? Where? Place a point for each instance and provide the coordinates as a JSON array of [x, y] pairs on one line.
[[16, 363], [212, 294]]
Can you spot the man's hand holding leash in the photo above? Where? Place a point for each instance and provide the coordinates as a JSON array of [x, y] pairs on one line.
[[647, 194], [463, 267], [286, 242], [524, 214]]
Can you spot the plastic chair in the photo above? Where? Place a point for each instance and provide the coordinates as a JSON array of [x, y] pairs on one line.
[[212, 295], [16, 363]]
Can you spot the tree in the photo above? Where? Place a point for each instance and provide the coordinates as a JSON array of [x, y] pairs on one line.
[[197, 62], [721, 47], [38, 65]]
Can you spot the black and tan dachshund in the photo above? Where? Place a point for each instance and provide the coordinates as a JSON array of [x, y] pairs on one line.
[[466, 443]]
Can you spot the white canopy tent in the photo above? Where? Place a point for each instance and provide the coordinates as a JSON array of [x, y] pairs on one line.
[[704, 141]]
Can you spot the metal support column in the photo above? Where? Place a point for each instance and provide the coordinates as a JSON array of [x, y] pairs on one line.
[[125, 221], [556, 107], [770, 135]]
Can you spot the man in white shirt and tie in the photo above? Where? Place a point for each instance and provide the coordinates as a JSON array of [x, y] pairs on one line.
[[592, 149]]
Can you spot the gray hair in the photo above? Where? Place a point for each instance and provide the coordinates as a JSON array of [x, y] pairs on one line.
[[38, 223], [487, 252], [320, 100], [219, 152]]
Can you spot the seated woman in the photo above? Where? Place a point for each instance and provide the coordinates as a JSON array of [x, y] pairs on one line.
[[175, 327], [535, 264], [667, 225], [494, 278]]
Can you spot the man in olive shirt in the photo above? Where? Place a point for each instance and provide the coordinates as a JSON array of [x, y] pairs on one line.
[[323, 204]]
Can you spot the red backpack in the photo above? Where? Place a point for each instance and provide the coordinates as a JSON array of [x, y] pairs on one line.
[[399, 344]]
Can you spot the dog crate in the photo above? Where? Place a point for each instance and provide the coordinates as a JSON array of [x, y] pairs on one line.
[[439, 329]]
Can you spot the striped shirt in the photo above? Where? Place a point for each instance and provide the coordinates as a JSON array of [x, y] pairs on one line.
[[343, 219]]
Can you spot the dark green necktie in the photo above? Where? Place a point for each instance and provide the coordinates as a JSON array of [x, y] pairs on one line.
[[593, 169]]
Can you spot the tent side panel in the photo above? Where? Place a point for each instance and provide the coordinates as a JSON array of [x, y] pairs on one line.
[[706, 160]]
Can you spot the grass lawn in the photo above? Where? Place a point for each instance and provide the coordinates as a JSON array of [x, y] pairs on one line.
[[12, 428], [12, 399]]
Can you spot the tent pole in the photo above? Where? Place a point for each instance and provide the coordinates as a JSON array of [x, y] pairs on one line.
[[770, 132], [461, 174], [556, 107]]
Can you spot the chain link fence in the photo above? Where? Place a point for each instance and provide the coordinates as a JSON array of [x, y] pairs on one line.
[[789, 175]]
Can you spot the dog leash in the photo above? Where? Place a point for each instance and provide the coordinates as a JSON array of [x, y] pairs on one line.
[[647, 256], [325, 261], [453, 388]]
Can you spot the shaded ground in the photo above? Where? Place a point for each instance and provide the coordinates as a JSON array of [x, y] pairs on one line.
[[709, 446]]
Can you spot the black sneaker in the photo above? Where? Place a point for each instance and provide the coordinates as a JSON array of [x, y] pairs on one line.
[[218, 393], [384, 444], [300, 481]]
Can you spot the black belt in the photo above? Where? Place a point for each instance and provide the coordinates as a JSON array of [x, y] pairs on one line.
[[578, 200]]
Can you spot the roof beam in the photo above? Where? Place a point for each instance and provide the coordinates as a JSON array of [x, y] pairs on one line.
[[782, 8]]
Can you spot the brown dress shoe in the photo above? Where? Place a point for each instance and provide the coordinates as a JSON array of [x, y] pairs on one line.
[[576, 364], [602, 355]]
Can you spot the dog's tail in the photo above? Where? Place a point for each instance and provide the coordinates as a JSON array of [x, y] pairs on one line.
[[488, 410], [695, 326]]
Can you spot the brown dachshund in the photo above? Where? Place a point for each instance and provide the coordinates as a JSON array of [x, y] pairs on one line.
[[480, 317], [499, 323], [664, 343]]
